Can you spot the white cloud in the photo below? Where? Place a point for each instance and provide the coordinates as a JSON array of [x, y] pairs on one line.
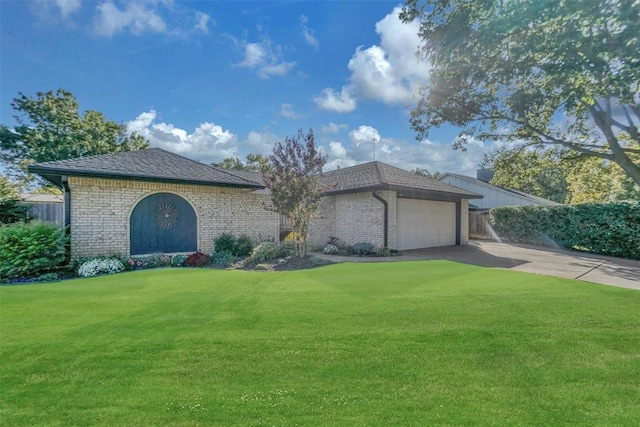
[[208, 142], [67, 7], [52, 10], [258, 143], [265, 59], [333, 128], [433, 156], [390, 72], [330, 100], [364, 134], [307, 33], [202, 22], [136, 17], [286, 111]]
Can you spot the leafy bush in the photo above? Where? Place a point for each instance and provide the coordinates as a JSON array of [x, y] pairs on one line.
[[244, 246], [11, 211], [272, 250], [178, 260], [30, 249], [363, 248], [49, 277], [147, 261], [98, 266], [198, 259], [223, 259], [606, 228], [383, 252], [293, 236], [330, 249], [225, 243]]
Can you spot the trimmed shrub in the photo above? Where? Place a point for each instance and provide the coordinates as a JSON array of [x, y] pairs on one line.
[[178, 260], [271, 250], [604, 228], [223, 259], [31, 249], [330, 249], [225, 243], [383, 252], [198, 259], [99, 266], [363, 248], [244, 246]]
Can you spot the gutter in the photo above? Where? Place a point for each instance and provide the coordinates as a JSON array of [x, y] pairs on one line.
[[67, 216], [67, 200], [386, 217]]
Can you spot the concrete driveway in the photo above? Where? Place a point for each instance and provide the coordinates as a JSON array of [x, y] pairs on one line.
[[532, 259]]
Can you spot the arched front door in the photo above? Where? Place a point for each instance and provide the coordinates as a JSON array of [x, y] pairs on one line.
[[163, 223]]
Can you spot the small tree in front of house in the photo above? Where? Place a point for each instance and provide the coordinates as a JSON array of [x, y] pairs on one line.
[[294, 182]]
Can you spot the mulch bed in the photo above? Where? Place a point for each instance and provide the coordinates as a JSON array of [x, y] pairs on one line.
[[283, 264]]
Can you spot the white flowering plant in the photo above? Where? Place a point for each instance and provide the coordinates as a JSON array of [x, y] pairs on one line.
[[98, 266], [330, 249]]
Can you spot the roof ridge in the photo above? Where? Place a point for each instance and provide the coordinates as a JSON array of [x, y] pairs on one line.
[[200, 163], [377, 166]]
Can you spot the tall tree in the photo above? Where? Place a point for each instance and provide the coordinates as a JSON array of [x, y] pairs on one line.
[[425, 172], [49, 127], [545, 72], [294, 181], [540, 173], [561, 176], [253, 163], [11, 210]]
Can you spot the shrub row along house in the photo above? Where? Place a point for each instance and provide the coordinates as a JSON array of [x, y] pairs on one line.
[[154, 201]]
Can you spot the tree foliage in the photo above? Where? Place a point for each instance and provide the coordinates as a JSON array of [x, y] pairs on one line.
[[546, 72], [294, 182], [561, 176], [49, 127], [535, 172], [253, 163], [11, 210], [426, 173]]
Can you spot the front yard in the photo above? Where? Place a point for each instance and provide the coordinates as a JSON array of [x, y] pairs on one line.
[[406, 343]]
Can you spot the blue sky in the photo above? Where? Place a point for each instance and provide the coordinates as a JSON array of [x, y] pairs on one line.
[[216, 79]]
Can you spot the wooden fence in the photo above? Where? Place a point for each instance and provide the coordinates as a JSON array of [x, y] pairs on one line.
[[49, 212], [479, 226]]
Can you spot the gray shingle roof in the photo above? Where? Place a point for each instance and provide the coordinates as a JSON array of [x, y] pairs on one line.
[[150, 164], [377, 175]]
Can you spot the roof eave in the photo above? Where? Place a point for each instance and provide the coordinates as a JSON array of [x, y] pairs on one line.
[[52, 175]]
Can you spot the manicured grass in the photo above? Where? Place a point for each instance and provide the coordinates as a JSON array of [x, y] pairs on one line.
[[412, 343]]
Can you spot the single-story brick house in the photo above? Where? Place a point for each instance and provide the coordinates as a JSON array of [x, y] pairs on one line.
[[150, 201]]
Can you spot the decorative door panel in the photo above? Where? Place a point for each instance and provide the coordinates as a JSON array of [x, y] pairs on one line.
[[163, 223]]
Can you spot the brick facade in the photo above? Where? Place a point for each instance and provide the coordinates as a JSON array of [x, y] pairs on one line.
[[353, 218], [101, 209]]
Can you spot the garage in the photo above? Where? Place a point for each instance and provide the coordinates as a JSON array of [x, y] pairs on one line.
[[425, 224]]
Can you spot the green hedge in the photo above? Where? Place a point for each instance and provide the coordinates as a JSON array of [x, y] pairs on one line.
[[32, 249], [607, 228]]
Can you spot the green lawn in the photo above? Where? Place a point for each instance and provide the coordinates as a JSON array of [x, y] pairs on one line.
[[406, 343]]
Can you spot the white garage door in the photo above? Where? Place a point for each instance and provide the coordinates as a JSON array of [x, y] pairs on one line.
[[425, 224]]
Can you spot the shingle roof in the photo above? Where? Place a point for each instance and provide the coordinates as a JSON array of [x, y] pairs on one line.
[[381, 175], [540, 200], [150, 164]]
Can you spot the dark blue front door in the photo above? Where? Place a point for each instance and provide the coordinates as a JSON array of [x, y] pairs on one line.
[[163, 223]]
